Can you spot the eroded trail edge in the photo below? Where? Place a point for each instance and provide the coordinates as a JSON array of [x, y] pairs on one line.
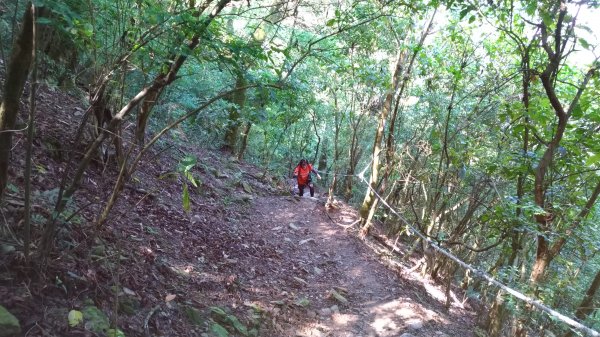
[[327, 282]]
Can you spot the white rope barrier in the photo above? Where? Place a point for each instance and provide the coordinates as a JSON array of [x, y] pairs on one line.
[[536, 303]]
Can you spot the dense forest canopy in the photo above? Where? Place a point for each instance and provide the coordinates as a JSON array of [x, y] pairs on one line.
[[478, 123]]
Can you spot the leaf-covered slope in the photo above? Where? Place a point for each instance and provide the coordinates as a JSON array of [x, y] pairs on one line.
[[247, 259]]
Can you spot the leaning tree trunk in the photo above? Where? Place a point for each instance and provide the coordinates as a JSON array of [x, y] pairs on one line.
[[367, 209], [157, 84], [152, 96], [586, 306], [369, 200], [17, 72], [144, 114]]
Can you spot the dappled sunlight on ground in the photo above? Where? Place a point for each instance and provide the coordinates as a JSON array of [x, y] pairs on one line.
[[435, 292], [292, 259], [344, 319]]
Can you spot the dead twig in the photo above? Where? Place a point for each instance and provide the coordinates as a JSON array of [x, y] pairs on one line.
[[146, 328]]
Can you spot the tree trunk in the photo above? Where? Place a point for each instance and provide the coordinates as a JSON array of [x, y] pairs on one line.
[[322, 164], [244, 141], [18, 69], [369, 205], [354, 154], [365, 209], [336, 151], [586, 307], [498, 311], [144, 113], [545, 253], [159, 82], [406, 77], [149, 101], [239, 99]]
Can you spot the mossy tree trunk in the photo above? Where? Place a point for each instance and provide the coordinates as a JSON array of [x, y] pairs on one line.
[[233, 128], [18, 70]]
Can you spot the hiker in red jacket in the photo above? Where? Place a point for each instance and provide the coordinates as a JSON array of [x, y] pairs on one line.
[[302, 173]]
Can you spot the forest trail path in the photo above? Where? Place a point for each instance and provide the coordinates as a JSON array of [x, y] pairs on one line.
[[316, 255]]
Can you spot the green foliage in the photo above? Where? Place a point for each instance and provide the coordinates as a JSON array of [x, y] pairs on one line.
[[75, 318], [219, 330], [115, 333], [185, 166], [464, 150], [223, 319], [95, 319]]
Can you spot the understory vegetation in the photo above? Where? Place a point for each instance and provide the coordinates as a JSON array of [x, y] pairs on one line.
[[474, 123]]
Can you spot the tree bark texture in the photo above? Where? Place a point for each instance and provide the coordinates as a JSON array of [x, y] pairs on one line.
[[355, 152], [144, 114], [586, 307], [244, 141], [160, 82], [234, 123], [365, 208], [18, 70]]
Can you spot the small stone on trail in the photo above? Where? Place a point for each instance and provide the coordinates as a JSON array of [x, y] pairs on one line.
[[246, 197], [335, 308], [299, 280], [128, 291], [407, 335], [294, 227], [318, 271], [414, 324], [306, 241], [325, 312]]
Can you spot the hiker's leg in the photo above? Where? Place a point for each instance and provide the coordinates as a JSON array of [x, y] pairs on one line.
[[312, 189], [300, 190]]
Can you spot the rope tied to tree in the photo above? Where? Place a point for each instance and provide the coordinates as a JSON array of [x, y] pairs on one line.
[[481, 274]]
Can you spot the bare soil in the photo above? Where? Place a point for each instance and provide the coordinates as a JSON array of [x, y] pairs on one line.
[[248, 257]]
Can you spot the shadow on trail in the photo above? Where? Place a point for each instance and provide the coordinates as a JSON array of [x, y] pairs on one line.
[[317, 256]]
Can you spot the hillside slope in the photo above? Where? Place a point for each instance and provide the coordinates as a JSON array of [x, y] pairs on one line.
[[248, 259]]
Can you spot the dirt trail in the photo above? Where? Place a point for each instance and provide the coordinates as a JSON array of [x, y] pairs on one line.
[[268, 259], [316, 254]]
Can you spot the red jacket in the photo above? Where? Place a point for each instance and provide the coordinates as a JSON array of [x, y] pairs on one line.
[[303, 173]]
